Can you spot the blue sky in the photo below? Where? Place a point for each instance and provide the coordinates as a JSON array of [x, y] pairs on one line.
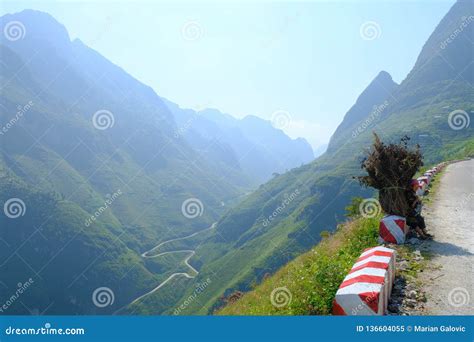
[[307, 58]]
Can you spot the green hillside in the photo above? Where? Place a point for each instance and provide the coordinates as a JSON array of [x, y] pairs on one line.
[[50, 244], [307, 285]]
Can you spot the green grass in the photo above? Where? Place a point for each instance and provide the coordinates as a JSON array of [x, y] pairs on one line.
[[313, 278]]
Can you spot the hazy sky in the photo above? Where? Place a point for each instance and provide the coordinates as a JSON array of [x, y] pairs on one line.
[[308, 58]]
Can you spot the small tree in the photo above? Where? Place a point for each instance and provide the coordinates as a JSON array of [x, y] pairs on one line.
[[390, 169]]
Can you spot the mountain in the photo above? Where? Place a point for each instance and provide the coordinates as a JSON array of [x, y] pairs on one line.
[[93, 157], [373, 100], [250, 144], [286, 216]]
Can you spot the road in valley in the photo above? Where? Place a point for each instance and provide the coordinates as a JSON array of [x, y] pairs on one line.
[[189, 254]]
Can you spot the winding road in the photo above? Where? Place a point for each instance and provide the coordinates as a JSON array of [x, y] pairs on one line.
[[450, 282], [190, 253]]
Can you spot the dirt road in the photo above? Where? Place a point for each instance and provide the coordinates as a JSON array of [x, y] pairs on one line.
[[450, 280], [189, 254]]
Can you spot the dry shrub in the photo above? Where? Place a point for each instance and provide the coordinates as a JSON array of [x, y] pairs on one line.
[[390, 168]]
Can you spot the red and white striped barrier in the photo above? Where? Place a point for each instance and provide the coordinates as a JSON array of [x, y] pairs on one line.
[[367, 287], [425, 180], [378, 257], [423, 185], [420, 191], [392, 229]]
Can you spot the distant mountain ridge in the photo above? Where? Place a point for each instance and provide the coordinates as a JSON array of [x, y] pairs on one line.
[[372, 100], [252, 144]]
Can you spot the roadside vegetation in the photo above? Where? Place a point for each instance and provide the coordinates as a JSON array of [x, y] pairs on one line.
[[309, 283]]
